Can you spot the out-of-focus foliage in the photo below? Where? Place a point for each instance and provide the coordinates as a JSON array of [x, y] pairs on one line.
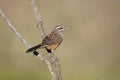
[[90, 50]]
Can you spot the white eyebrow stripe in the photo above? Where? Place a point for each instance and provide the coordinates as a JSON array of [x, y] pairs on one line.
[[58, 27]]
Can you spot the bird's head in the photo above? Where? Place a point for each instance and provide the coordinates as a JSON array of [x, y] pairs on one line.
[[61, 28]]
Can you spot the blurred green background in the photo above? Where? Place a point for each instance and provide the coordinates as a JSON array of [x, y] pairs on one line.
[[90, 50]]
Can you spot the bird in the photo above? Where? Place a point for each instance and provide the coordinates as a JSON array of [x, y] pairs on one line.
[[51, 41]]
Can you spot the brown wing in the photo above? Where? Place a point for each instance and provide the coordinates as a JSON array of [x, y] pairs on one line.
[[52, 41]]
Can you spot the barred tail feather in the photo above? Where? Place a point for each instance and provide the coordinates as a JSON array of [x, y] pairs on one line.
[[33, 48]]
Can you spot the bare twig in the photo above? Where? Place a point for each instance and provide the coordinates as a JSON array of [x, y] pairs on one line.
[[56, 75], [54, 71], [38, 18], [43, 34], [53, 75], [57, 68], [27, 45], [14, 29]]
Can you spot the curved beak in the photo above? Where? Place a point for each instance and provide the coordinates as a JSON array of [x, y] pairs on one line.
[[66, 27]]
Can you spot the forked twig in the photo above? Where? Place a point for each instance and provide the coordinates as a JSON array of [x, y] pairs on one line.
[[56, 73], [38, 18], [26, 44]]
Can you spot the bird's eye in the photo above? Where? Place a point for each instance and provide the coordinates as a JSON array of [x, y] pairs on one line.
[[59, 28]]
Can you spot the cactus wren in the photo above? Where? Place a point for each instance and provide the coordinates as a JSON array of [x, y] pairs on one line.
[[51, 41]]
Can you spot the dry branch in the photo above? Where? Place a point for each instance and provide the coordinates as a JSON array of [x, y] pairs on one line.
[[56, 75], [14, 29], [38, 18], [54, 71], [43, 59]]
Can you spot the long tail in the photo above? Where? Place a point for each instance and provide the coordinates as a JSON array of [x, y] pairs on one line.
[[33, 48]]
